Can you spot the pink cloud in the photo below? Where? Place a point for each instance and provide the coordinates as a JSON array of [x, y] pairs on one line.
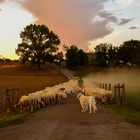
[[73, 20]]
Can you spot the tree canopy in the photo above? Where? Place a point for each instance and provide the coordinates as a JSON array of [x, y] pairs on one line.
[[127, 54], [101, 54], [37, 45], [75, 57]]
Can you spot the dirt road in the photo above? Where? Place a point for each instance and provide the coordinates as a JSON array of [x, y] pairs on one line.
[[67, 122]]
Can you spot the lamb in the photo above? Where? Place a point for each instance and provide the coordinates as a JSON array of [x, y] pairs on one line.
[[24, 102], [87, 102], [36, 96]]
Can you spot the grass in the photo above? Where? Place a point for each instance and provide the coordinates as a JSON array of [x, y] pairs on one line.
[[133, 99], [13, 119], [130, 115]]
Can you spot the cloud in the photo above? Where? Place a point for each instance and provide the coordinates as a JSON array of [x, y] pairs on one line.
[[106, 15], [124, 21], [125, 2], [75, 21], [133, 27], [111, 18]]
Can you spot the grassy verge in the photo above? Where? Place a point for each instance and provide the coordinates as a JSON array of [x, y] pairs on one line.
[[133, 99], [13, 119], [130, 115]]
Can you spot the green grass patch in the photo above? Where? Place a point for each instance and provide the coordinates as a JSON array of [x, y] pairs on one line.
[[13, 119], [130, 115], [133, 99]]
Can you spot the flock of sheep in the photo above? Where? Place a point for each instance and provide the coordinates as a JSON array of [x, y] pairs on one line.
[[59, 93]]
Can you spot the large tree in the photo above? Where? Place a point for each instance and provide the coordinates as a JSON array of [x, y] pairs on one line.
[[75, 58], [129, 52], [38, 44]]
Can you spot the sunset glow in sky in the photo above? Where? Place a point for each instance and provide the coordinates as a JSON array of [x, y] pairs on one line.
[[84, 23]]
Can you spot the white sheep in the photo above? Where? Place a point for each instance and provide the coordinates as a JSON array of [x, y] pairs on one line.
[[24, 102], [100, 94]]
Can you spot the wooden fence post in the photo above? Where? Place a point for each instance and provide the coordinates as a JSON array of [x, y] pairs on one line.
[[7, 100], [115, 93], [4, 101], [109, 86], [105, 86], [123, 94], [17, 92], [119, 94], [12, 98]]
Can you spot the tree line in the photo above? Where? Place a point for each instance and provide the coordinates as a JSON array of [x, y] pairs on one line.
[[40, 45], [127, 54]]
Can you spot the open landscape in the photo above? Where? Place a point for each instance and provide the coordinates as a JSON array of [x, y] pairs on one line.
[[65, 120], [69, 70]]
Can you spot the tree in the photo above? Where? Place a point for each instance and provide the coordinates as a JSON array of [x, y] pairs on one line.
[[38, 44], [83, 58], [71, 57], [101, 54], [113, 56], [59, 57], [129, 52], [75, 57]]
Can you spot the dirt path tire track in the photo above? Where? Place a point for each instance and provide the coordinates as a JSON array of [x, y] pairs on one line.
[[67, 122]]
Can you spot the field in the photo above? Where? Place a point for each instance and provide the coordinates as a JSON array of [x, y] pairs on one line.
[[28, 79]]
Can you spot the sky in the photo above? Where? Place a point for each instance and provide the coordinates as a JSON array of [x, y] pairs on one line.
[[85, 23]]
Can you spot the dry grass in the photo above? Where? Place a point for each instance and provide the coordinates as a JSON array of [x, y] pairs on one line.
[[28, 79], [25, 76]]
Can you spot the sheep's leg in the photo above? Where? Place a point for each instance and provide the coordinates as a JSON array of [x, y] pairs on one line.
[[21, 108], [94, 108], [32, 109], [42, 103], [90, 108]]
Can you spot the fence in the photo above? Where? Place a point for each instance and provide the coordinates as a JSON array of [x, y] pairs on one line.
[[10, 97], [119, 94], [118, 91]]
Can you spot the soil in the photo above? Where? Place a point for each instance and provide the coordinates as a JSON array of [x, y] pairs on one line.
[[66, 122]]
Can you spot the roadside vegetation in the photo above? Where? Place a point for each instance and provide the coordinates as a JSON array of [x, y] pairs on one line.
[[13, 119], [127, 113]]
